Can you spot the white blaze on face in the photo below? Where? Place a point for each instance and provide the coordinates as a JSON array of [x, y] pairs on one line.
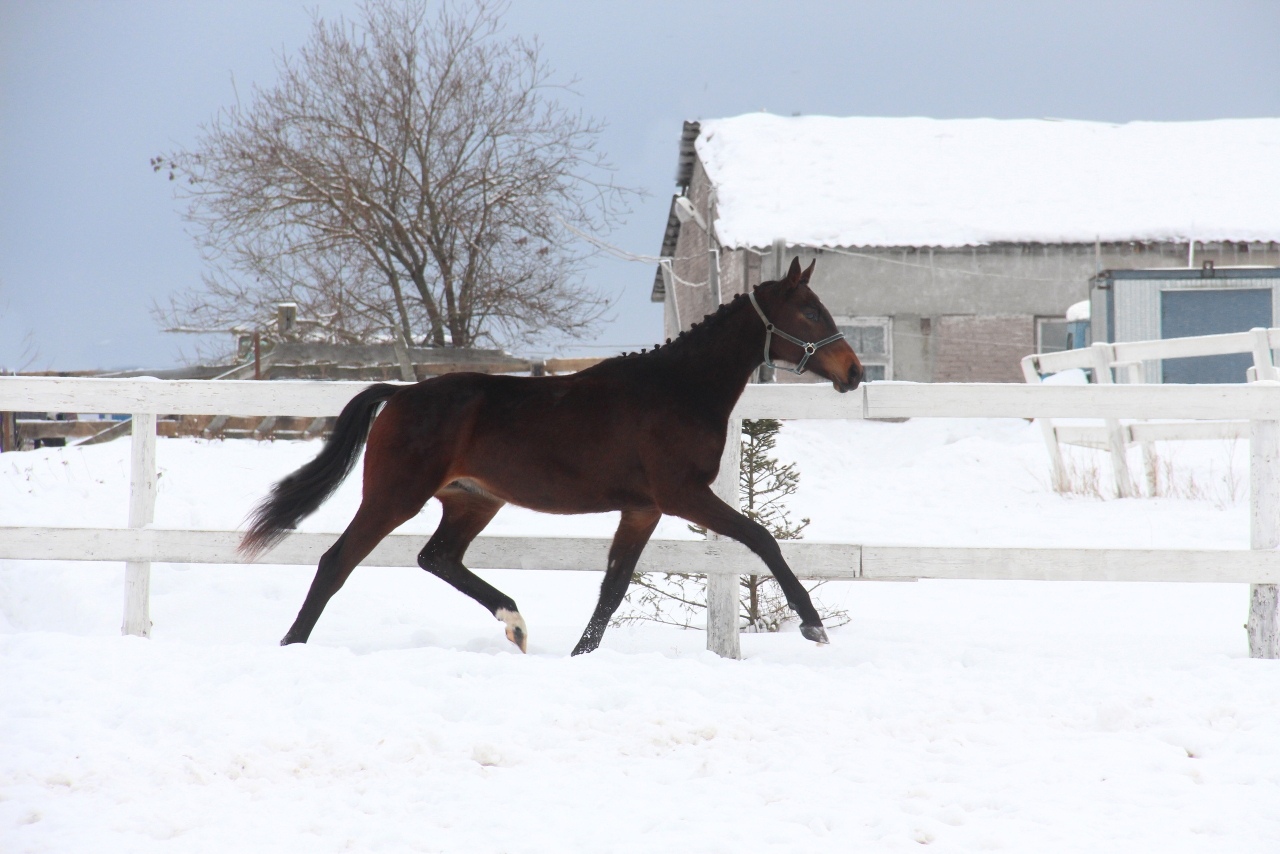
[[516, 631]]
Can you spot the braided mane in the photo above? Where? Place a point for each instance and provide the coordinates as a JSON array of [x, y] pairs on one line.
[[692, 336]]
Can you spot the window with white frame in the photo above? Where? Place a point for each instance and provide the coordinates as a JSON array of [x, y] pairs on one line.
[[872, 339]]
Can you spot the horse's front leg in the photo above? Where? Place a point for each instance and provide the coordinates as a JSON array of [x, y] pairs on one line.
[[704, 508], [628, 542]]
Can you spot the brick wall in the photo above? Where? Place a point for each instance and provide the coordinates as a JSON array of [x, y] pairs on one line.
[[982, 348]]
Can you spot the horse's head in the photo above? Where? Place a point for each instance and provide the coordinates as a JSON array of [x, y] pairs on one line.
[[802, 332]]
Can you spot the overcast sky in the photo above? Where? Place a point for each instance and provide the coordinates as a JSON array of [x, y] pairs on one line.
[[89, 236]]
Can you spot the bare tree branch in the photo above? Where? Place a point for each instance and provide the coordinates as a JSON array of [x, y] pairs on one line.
[[405, 171]]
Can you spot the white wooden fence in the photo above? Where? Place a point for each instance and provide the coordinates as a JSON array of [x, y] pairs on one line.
[[140, 544], [1134, 362]]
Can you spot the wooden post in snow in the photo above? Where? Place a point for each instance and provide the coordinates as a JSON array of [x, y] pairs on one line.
[[1136, 374], [142, 511], [1264, 533], [1031, 373], [722, 590], [1263, 364], [401, 348], [8, 433], [1102, 359], [1263, 627]]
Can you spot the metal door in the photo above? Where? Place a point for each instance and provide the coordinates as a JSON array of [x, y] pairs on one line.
[[1203, 311]]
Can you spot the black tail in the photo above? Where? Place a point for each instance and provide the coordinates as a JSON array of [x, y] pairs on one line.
[[301, 493]]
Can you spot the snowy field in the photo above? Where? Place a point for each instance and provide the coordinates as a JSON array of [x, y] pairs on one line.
[[966, 716]]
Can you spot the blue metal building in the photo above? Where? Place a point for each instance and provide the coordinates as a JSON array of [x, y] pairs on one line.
[[1141, 305]]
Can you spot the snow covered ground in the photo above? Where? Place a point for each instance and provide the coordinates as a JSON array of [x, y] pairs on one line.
[[968, 716]]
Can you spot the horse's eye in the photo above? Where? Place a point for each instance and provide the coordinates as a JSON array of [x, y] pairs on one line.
[[811, 314]]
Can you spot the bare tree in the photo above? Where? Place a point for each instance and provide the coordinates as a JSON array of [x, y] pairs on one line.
[[407, 172]]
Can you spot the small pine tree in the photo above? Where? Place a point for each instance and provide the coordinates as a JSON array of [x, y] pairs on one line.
[[764, 484]]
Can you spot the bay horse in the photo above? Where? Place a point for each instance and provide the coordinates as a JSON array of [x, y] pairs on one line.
[[640, 433]]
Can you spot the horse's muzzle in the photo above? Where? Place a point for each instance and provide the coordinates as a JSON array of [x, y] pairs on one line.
[[852, 381]]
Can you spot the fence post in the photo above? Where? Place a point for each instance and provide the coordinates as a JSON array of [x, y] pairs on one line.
[[722, 590], [8, 433], [1262, 361], [1136, 373], [401, 348], [1102, 359], [1031, 373], [1264, 533], [142, 511]]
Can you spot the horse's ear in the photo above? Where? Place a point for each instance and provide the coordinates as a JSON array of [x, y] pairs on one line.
[[808, 271], [793, 274]]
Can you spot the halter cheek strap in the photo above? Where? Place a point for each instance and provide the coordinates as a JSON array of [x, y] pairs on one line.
[[770, 330]]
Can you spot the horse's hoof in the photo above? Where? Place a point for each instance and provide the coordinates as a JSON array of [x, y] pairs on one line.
[[817, 634], [587, 643], [516, 631], [516, 636]]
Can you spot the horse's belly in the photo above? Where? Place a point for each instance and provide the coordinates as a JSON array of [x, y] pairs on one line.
[[559, 455], [559, 492]]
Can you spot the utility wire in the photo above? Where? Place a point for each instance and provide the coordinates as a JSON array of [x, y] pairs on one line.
[[625, 255]]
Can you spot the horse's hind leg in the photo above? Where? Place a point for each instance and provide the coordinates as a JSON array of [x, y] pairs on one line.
[[372, 522], [395, 489], [629, 541], [466, 513], [330, 576]]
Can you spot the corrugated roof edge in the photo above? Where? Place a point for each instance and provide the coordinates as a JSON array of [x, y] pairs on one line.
[[1208, 272]]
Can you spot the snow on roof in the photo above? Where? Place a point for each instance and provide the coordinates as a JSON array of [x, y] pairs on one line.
[[823, 181]]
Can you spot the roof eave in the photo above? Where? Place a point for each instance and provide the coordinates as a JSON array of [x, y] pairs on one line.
[[684, 177], [669, 239]]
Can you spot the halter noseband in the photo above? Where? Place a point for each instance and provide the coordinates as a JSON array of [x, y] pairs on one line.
[[770, 330]]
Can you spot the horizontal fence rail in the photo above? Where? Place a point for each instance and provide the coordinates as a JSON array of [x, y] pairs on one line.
[[140, 544], [1138, 362], [1127, 352], [695, 557], [1255, 401]]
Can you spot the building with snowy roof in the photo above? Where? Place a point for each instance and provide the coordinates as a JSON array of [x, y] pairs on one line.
[[948, 249]]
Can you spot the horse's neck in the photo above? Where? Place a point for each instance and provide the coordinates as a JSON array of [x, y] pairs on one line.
[[723, 357]]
